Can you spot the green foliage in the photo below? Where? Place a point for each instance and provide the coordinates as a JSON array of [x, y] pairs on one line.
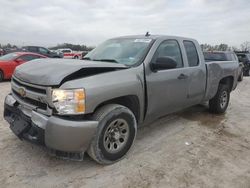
[[220, 47]]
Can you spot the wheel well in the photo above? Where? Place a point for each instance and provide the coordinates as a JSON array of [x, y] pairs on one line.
[[129, 101], [1, 71], [229, 80]]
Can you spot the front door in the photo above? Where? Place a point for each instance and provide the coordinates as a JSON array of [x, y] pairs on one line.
[[167, 89]]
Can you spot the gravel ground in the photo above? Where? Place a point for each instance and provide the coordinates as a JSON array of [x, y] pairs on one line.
[[189, 149]]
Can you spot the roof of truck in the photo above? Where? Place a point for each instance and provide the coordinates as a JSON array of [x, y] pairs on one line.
[[154, 37]]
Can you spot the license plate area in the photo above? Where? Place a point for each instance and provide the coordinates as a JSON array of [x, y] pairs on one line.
[[18, 125]]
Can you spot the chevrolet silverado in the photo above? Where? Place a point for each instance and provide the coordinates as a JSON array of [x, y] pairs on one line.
[[96, 105]]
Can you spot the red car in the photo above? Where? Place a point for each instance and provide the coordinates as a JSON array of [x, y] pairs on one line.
[[9, 62]]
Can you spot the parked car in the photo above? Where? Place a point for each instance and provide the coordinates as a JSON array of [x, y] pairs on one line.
[[70, 54], [1, 52], [244, 57], [225, 56], [43, 51], [96, 105], [10, 61]]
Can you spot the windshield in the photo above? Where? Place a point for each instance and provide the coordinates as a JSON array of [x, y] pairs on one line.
[[124, 51], [8, 57]]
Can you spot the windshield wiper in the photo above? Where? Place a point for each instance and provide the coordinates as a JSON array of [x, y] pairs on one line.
[[107, 60]]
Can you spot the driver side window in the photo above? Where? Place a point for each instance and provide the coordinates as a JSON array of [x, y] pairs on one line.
[[169, 48]]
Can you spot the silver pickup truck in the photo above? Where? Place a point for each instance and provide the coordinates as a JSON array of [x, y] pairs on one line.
[[95, 105]]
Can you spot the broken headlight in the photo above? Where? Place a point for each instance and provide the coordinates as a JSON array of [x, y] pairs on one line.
[[70, 101]]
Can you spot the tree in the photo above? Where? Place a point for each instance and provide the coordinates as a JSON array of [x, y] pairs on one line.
[[245, 46], [217, 47], [75, 47]]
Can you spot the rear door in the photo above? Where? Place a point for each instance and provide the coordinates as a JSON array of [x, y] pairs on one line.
[[196, 72], [167, 89]]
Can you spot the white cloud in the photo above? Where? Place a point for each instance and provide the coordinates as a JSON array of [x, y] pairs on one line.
[[47, 23]]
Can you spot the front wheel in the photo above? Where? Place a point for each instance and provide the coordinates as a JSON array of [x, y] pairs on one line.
[[115, 134], [219, 103]]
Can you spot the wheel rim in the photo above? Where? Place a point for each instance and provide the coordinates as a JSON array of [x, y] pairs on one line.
[[223, 99], [116, 136]]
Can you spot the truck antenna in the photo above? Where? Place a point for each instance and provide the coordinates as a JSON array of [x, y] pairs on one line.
[[147, 34]]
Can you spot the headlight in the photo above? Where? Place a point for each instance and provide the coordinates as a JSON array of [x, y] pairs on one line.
[[69, 101]]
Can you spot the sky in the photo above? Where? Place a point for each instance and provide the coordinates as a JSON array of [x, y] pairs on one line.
[[90, 22]]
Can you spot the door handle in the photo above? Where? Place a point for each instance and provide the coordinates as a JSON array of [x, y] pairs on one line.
[[182, 76]]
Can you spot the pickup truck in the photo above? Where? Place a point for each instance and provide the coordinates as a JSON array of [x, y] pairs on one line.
[[96, 105], [225, 56], [70, 54]]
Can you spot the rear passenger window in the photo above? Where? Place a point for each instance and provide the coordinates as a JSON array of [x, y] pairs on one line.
[[192, 55]]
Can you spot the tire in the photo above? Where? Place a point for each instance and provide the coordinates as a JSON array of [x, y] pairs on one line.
[[76, 57], [241, 76], [1, 76], [110, 145], [219, 103]]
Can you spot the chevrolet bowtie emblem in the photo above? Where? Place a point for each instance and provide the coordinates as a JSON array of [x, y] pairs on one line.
[[22, 91]]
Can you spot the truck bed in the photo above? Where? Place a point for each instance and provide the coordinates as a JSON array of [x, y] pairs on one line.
[[216, 70]]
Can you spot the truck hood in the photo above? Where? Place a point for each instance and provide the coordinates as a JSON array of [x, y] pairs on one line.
[[53, 72]]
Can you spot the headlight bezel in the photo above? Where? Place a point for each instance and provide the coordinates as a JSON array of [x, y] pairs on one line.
[[67, 101]]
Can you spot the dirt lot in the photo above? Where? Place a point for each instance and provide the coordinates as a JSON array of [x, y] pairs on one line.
[[188, 149]]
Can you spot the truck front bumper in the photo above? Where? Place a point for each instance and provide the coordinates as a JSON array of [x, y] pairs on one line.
[[56, 133]]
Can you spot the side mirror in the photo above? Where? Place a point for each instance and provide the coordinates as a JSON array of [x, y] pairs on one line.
[[162, 63]]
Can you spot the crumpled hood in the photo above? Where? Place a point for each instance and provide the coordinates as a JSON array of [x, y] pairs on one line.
[[51, 72]]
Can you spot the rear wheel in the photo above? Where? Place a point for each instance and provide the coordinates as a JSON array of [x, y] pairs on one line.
[[219, 103], [115, 134], [1, 76], [76, 57]]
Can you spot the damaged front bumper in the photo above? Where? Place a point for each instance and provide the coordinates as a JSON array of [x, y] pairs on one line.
[[61, 135]]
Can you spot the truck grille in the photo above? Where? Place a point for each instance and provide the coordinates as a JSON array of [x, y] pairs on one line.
[[30, 96]]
